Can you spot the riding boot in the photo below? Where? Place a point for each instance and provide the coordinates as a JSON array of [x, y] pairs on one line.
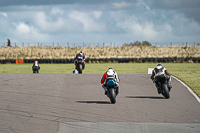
[[105, 90], [117, 90], [158, 88], [169, 87]]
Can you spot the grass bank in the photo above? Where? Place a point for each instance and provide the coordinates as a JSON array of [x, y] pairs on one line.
[[187, 72], [98, 52]]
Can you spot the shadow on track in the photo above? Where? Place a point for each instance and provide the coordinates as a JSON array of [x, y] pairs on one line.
[[147, 97], [97, 102]]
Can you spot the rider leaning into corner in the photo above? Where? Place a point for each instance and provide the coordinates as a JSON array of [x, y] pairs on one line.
[[159, 71], [108, 75], [81, 54]]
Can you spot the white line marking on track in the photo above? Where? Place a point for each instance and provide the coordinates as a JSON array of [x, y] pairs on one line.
[[189, 89]]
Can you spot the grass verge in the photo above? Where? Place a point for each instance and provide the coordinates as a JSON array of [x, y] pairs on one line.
[[189, 73]]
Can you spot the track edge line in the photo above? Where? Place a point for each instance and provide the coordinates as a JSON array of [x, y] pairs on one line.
[[189, 89]]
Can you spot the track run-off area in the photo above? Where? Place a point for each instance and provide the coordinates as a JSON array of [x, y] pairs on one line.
[[74, 103]]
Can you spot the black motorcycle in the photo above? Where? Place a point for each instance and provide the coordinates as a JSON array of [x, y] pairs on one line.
[[111, 91], [80, 65], [161, 82], [35, 69]]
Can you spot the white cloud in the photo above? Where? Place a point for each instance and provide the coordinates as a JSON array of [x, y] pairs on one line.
[[121, 5], [97, 14], [56, 11], [4, 14], [23, 32], [22, 29], [47, 23], [89, 23]]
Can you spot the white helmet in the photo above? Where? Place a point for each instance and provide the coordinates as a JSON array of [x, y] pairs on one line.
[[110, 71]]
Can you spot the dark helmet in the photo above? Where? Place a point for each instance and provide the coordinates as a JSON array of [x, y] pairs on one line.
[[110, 68], [159, 64], [81, 52]]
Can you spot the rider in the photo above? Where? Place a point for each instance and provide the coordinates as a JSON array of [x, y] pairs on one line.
[[81, 54], [36, 66], [160, 71], [110, 74]]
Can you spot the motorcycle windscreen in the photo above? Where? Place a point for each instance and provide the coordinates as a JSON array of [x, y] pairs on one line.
[[110, 83]]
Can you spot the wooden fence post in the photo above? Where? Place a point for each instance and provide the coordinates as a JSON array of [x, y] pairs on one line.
[[171, 44], [90, 45], [4, 45], [103, 44], [110, 44], [22, 44], [67, 44], [194, 44], [186, 44]]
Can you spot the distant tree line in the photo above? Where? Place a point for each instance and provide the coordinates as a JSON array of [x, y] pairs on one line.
[[137, 43]]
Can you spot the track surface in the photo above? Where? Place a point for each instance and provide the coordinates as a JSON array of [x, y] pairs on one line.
[[46, 103]]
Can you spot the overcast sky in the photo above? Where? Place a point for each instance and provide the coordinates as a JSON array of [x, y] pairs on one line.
[[119, 21]]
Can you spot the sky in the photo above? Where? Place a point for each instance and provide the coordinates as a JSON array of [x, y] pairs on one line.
[[98, 21]]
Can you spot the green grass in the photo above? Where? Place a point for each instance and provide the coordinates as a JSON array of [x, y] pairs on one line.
[[187, 72]]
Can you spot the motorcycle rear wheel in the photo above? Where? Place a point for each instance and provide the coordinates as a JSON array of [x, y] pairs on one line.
[[165, 91], [112, 96], [80, 68]]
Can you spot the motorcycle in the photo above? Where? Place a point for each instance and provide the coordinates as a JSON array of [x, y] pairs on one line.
[[162, 85], [35, 69], [80, 65], [111, 91]]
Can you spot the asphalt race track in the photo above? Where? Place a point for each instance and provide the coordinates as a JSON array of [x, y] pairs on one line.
[[69, 103]]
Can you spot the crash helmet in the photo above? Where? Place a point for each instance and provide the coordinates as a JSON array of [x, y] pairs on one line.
[[81, 52], [110, 72], [160, 64], [36, 62], [109, 69]]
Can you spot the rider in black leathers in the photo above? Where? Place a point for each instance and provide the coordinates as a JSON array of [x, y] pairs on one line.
[[159, 71]]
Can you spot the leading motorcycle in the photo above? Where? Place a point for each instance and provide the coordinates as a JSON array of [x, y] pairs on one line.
[[161, 83]]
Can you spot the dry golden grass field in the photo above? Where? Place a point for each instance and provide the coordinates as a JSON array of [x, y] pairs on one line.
[[98, 52]]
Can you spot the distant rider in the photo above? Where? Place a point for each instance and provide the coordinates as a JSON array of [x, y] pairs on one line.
[[36, 67], [81, 54], [158, 72], [110, 75]]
